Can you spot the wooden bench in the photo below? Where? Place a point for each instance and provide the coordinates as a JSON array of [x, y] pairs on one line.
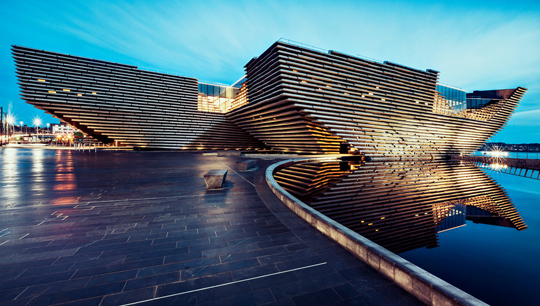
[[244, 165], [215, 178]]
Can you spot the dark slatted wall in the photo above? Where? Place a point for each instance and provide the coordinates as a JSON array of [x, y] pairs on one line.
[[308, 101], [116, 102]]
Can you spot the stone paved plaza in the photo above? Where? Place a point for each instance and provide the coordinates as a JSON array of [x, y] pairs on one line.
[[140, 228]]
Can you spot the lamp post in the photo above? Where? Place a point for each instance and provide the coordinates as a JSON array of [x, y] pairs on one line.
[[37, 123], [10, 120], [21, 123], [1, 126]]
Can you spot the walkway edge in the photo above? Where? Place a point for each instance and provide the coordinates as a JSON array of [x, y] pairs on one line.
[[423, 285]]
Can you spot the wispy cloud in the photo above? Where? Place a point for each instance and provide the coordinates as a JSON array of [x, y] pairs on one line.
[[527, 118], [475, 45]]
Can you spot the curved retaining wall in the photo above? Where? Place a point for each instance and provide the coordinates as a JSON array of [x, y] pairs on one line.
[[423, 285]]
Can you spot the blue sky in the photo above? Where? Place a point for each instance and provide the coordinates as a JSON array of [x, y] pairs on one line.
[[476, 45]]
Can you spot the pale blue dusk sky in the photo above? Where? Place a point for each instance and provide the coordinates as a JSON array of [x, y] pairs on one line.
[[476, 45]]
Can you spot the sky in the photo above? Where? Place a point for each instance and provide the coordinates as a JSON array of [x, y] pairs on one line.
[[476, 45]]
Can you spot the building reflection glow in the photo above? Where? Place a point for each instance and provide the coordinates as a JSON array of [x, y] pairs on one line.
[[37, 161], [39, 181], [401, 205], [10, 177], [64, 179]]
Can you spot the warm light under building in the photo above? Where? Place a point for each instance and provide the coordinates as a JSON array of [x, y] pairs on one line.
[[292, 99]]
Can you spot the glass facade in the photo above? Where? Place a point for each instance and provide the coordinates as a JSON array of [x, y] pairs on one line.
[[477, 103], [219, 98], [453, 100]]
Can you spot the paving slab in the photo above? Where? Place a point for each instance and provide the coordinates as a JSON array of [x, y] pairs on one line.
[[115, 228]]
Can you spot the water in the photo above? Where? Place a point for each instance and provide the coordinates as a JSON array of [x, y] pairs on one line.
[[498, 265], [426, 212]]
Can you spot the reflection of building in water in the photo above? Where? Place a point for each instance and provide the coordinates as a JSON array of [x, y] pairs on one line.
[[401, 205]]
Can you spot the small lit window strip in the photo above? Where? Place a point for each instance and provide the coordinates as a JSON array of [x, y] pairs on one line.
[[66, 90]]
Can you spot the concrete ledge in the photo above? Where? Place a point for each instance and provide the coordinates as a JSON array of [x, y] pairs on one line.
[[214, 178], [245, 165], [423, 285]]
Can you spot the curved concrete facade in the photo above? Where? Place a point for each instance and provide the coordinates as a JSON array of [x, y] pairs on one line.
[[308, 101], [116, 102], [294, 99]]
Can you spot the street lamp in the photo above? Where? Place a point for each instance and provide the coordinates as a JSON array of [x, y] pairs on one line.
[[21, 126], [37, 123], [10, 119]]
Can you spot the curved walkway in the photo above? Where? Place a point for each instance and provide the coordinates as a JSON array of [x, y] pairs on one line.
[[139, 228]]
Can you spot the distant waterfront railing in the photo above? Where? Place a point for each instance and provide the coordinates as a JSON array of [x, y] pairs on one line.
[[504, 154], [505, 163]]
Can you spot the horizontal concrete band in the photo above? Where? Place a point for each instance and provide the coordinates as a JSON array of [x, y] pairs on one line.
[[423, 285]]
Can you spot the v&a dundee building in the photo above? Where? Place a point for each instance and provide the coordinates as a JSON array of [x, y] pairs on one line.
[[291, 99], [305, 100]]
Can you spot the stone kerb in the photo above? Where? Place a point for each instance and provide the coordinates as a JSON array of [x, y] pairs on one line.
[[426, 287]]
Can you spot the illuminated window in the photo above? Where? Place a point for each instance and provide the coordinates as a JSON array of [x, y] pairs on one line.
[[66, 90], [295, 70], [220, 99], [304, 81], [52, 91], [376, 87], [383, 99], [41, 80], [93, 93], [346, 93], [370, 93], [328, 86], [80, 95]]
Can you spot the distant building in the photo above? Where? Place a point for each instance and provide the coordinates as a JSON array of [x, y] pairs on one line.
[[63, 129]]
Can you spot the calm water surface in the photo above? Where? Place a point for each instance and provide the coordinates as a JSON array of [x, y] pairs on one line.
[[477, 229], [499, 265]]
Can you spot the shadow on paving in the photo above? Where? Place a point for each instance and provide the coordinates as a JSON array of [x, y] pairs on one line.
[[113, 228]]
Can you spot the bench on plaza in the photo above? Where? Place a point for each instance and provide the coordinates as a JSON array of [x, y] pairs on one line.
[[245, 165], [214, 179]]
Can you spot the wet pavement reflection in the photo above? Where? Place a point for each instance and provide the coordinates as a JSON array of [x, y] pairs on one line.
[[111, 228]]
